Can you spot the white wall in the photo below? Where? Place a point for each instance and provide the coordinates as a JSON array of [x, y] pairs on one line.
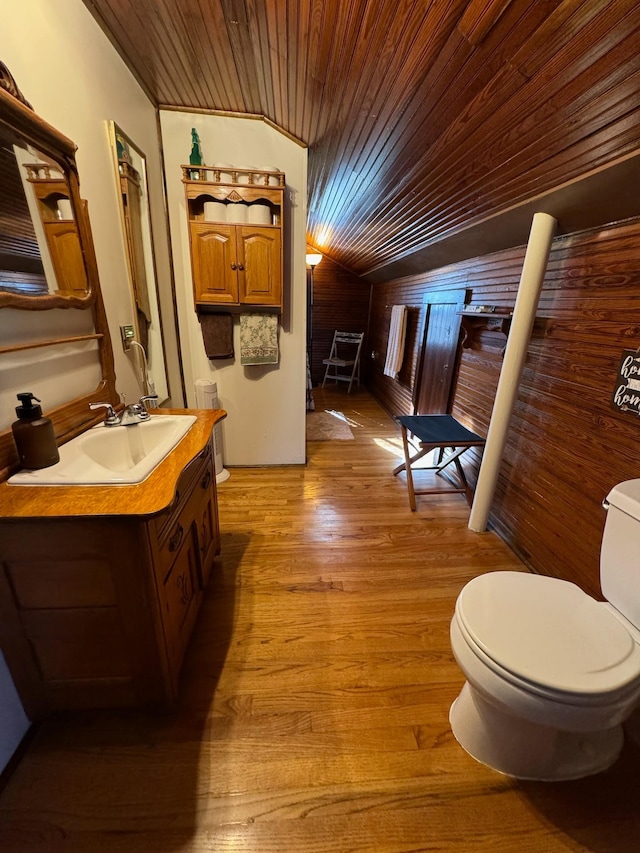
[[265, 405], [75, 80]]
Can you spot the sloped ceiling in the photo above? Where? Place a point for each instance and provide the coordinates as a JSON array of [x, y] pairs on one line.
[[423, 119]]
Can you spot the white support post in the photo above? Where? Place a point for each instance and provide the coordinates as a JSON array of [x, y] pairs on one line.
[[535, 263]]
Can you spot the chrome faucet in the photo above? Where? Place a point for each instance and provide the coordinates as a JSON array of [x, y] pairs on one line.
[[132, 414]]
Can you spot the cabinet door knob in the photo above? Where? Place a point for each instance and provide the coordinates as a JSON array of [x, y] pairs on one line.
[[234, 266], [240, 266], [176, 539]]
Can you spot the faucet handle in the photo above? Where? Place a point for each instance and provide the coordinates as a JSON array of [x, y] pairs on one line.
[[143, 411], [111, 418], [144, 399]]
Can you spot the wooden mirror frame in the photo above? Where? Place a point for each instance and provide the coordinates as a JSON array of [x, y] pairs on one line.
[[73, 417], [19, 117]]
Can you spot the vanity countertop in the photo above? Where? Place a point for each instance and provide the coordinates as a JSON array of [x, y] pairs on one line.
[[142, 499]]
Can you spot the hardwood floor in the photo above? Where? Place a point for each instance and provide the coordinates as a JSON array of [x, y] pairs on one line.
[[315, 694]]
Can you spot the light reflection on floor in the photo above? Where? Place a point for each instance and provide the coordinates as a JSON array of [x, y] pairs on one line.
[[394, 447], [391, 445], [342, 417]]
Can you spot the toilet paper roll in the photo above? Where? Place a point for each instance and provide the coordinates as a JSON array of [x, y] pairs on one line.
[[65, 211], [215, 211], [259, 214], [237, 212]]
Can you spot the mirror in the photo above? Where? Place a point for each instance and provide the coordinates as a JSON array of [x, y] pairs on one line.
[[42, 262], [130, 169], [47, 263], [40, 248]]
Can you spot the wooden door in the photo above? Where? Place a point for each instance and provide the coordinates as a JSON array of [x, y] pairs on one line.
[[213, 254], [260, 265], [438, 353]]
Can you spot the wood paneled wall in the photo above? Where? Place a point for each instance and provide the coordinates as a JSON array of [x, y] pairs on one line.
[[567, 446], [341, 301]]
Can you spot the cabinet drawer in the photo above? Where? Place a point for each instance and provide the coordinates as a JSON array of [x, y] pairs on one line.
[[177, 534], [184, 515], [197, 469]]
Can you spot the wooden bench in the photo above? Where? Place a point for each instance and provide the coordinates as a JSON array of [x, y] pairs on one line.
[[441, 432]]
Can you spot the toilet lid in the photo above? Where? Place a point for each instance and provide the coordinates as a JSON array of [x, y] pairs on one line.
[[548, 632]]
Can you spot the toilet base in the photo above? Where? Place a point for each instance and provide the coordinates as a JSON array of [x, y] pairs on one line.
[[527, 750]]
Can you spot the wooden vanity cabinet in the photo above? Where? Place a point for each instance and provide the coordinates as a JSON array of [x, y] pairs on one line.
[[98, 611]]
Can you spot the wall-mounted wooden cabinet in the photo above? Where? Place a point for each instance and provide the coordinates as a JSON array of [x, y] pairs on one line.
[[235, 232], [61, 233], [236, 264]]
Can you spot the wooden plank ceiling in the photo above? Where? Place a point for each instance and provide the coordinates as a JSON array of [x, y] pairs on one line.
[[421, 118]]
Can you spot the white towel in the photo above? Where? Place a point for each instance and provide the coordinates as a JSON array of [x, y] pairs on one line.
[[395, 345], [259, 339]]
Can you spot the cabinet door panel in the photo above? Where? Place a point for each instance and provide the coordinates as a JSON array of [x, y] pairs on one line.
[[259, 253], [202, 508], [208, 533], [77, 643], [214, 260], [180, 598], [66, 256], [207, 538]]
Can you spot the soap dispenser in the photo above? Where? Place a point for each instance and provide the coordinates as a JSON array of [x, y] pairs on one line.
[[34, 435]]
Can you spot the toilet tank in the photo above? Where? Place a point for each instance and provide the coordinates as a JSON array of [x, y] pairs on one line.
[[620, 551]]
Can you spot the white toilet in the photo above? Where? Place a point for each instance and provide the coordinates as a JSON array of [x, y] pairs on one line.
[[551, 672]]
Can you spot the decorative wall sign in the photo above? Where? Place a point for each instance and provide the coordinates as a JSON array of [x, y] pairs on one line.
[[626, 397]]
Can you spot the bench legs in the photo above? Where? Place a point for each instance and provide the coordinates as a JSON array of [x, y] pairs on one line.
[[443, 461]]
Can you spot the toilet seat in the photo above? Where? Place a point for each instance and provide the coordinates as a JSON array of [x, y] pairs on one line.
[[548, 637]]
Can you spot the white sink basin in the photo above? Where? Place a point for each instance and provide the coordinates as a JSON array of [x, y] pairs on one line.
[[118, 455]]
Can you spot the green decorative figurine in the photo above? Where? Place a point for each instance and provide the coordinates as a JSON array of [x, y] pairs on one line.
[[195, 158], [124, 155]]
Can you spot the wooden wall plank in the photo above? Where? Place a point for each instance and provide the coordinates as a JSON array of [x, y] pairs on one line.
[[341, 301], [421, 118], [567, 445]]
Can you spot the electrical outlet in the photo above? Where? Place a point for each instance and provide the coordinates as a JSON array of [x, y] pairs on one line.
[[127, 333]]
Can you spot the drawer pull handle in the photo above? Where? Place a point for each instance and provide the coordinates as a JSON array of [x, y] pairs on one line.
[[176, 539], [206, 480]]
